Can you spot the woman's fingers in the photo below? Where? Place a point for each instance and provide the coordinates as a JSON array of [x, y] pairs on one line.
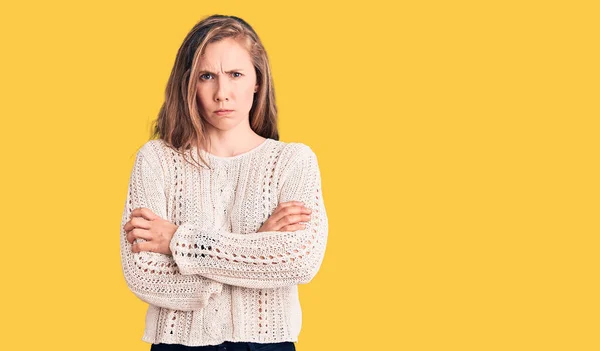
[[136, 222], [144, 213], [138, 233], [291, 219], [293, 227], [280, 213], [293, 209]]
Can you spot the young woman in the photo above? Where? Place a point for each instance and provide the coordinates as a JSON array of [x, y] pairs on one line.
[[222, 220]]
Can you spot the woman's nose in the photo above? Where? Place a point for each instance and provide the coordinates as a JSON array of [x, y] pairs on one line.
[[222, 93]]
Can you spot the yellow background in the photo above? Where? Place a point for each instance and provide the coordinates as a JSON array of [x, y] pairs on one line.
[[458, 145]]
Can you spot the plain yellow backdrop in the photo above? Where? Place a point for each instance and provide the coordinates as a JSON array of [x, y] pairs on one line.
[[458, 145]]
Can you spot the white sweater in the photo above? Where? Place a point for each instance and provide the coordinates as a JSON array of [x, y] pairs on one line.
[[224, 280]]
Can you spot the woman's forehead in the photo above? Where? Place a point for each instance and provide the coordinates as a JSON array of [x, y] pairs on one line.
[[225, 55]]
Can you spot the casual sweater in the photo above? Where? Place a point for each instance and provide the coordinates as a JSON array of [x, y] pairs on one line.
[[224, 281]]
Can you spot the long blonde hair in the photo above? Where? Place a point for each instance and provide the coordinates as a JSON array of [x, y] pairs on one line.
[[179, 123]]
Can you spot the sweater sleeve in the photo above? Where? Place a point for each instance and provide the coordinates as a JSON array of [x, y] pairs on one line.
[[155, 277], [263, 259]]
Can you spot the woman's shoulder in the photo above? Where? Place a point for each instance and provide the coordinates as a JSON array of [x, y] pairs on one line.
[[151, 149], [157, 153], [158, 147], [152, 145], [292, 148], [293, 152]]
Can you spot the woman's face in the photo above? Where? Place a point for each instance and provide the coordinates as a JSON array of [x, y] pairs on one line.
[[227, 81]]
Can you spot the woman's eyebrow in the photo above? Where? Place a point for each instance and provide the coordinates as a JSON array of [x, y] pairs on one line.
[[233, 70]]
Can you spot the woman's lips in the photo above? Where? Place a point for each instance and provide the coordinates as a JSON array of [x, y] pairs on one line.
[[223, 112]]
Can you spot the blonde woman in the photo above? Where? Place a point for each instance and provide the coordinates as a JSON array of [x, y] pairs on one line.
[[222, 220]]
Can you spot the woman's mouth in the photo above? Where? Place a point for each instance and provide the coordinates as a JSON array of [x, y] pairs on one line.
[[223, 112]]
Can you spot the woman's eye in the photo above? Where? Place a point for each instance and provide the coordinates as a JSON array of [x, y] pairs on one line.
[[204, 76], [234, 74]]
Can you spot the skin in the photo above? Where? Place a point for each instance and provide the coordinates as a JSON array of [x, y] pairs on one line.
[[227, 81]]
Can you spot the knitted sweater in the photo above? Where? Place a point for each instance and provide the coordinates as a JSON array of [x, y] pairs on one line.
[[224, 280]]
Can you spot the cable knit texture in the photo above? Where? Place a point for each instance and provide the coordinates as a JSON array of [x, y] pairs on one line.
[[224, 280]]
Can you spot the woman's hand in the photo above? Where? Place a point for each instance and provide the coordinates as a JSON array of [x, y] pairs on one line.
[[286, 217], [147, 225]]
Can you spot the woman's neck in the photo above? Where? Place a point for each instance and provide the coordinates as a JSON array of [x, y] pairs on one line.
[[228, 144]]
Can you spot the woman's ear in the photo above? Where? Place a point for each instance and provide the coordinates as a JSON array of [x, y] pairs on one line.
[[256, 88]]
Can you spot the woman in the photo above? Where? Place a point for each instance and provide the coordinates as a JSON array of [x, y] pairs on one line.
[[222, 220]]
